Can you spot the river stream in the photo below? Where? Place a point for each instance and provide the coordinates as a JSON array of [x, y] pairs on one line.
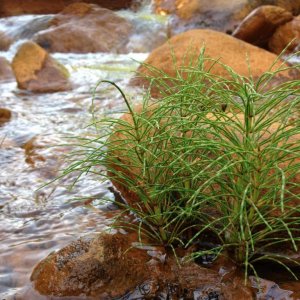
[[33, 221]]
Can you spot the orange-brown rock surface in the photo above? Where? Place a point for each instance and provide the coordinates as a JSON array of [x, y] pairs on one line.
[[20, 7], [110, 266], [259, 26], [37, 71], [83, 28], [286, 37], [237, 54]]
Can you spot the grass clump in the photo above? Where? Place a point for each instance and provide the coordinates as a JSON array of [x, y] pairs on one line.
[[214, 160]]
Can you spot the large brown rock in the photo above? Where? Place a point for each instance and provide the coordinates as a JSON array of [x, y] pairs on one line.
[[222, 15], [6, 73], [83, 28], [20, 7], [237, 54], [258, 27], [286, 37], [110, 266], [37, 71]]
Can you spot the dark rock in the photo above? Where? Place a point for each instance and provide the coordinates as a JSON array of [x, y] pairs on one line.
[[5, 115], [110, 266], [286, 37], [259, 26]]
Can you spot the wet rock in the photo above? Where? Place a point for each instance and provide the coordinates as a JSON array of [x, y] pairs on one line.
[[5, 41], [37, 71], [84, 28], [20, 7], [270, 290], [6, 73], [87, 265], [108, 266], [258, 27], [5, 115], [221, 15], [286, 37], [233, 52]]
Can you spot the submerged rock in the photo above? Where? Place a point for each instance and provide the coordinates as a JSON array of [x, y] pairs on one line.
[[6, 73], [5, 115], [258, 27], [84, 28], [37, 71]]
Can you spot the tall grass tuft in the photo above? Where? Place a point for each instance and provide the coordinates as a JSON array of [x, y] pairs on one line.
[[213, 160]]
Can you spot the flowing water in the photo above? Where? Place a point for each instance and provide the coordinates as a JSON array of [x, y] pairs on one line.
[[33, 221]]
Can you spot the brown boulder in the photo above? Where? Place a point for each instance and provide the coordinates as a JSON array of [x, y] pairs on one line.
[[111, 265], [5, 115], [20, 7], [237, 54], [83, 28], [6, 73], [37, 71], [286, 37], [222, 15], [258, 27], [289, 5]]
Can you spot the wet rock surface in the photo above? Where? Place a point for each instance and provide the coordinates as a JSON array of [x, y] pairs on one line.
[[84, 28], [115, 266], [259, 26], [109, 266], [5, 115], [5, 41], [37, 71], [19, 7]]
